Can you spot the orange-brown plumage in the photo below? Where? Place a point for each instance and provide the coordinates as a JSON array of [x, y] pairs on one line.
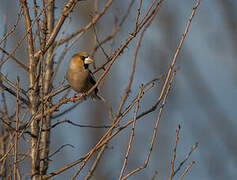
[[79, 76]]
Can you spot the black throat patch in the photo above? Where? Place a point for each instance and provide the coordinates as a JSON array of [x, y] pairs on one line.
[[86, 66]]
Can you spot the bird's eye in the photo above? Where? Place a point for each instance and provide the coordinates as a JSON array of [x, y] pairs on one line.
[[83, 58]]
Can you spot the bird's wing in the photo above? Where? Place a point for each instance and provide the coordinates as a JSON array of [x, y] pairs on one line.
[[92, 78], [92, 81]]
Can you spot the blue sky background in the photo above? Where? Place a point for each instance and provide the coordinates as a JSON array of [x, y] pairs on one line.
[[202, 99]]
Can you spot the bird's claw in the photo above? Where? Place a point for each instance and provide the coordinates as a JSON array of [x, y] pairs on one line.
[[74, 96]]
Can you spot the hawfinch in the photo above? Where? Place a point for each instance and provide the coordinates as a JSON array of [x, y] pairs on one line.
[[79, 77]]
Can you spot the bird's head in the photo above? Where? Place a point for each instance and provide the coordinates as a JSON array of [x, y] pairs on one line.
[[81, 59]]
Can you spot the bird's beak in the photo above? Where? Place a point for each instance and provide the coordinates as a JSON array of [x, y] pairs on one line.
[[88, 60]]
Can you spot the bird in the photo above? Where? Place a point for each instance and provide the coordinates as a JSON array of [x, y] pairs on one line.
[[79, 77]]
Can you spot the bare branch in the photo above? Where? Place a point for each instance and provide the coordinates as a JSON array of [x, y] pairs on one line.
[[65, 12], [16, 135], [79, 125], [116, 28], [4, 78], [174, 152], [100, 144], [154, 131], [14, 59], [132, 134], [14, 94], [186, 170], [93, 21], [14, 26], [60, 148], [186, 158]]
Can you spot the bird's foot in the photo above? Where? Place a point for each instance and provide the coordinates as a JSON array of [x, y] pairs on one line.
[[74, 96], [83, 96]]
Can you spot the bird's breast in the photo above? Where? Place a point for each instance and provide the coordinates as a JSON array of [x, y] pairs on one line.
[[79, 80]]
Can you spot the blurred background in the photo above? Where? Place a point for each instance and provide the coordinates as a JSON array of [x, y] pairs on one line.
[[202, 99]]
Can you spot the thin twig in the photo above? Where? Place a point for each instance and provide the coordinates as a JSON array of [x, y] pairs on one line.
[[14, 26], [13, 58], [154, 131], [115, 56], [107, 137], [22, 132], [14, 94], [100, 144], [69, 6], [186, 170], [95, 163], [128, 88], [174, 153], [153, 108], [4, 33], [132, 35], [83, 29], [79, 125], [59, 149], [138, 13], [185, 159], [132, 135], [99, 44], [37, 33], [67, 25], [154, 175], [16, 135], [115, 29], [10, 55], [54, 93], [4, 78]]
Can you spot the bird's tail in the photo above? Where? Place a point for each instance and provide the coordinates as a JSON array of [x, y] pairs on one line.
[[97, 96]]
